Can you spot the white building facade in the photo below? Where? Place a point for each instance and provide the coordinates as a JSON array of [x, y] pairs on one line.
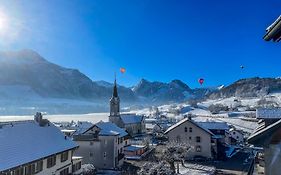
[[102, 145], [35, 147]]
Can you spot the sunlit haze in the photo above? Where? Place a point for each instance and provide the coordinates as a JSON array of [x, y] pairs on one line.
[[155, 40]]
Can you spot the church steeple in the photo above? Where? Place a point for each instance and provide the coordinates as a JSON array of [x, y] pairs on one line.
[[114, 101], [115, 93]]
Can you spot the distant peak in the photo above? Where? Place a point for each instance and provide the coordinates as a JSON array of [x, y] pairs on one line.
[[143, 80], [23, 54]]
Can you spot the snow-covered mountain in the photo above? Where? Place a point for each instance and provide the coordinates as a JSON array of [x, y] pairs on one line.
[[27, 69], [175, 90], [27, 78], [250, 87]]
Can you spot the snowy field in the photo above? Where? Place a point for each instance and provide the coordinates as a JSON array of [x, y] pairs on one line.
[[93, 117]]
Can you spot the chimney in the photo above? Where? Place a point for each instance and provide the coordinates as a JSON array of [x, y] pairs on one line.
[[189, 116], [39, 119]]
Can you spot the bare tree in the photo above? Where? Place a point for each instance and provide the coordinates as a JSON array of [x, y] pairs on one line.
[[173, 152]]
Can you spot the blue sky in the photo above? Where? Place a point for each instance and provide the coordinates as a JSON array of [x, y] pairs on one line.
[[153, 39]]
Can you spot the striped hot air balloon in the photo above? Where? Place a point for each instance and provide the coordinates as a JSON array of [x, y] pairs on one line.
[[122, 70]]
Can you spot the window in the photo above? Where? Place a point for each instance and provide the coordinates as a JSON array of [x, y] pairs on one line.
[[64, 156], [190, 129], [51, 161], [198, 148], [234, 132], [18, 171], [185, 129], [76, 167], [39, 166], [91, 154], [104, 154], [28, 170], [198, 139], [64, 171], [189, 138]]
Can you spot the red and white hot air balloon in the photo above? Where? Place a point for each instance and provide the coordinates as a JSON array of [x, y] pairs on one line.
[[122, 70], [201, 81]]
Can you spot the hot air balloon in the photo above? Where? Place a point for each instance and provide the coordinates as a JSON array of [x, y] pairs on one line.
[[201, 81], [122, 70]]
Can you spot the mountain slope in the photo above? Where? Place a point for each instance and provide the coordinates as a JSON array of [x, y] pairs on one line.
[[175, 90], [27, 68], [251, 87]]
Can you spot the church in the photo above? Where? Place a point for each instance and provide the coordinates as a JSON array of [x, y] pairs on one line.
[[132, 123]]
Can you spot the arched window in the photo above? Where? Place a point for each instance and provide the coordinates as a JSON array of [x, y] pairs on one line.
[[198, 148]]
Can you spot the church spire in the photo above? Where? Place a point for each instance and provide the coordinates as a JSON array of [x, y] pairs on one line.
[[115, 93]]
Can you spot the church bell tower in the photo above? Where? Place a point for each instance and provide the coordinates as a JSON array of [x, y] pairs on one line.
[[114, 116]]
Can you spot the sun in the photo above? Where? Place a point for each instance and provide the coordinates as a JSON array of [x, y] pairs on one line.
[[3, 22]]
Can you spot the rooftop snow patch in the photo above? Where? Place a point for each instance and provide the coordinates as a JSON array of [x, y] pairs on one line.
[[186, 120], [265, 113], [212, 124], [108, 128], [131, 118], [26, 141]]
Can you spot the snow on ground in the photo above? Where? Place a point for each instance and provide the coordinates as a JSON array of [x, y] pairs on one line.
[[93, 117], [232, 101], [196, 169]]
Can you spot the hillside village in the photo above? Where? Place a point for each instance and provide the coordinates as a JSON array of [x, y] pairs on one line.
[[182, 139], [152, 128]]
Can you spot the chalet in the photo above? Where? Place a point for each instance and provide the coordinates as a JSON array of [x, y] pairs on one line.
[[153, 128], [199, 138], [268, 136], [270, 139], [134, 151], [267, 116], [102, 145], [36, 147]]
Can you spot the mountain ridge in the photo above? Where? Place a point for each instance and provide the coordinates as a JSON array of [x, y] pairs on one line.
[[28, 69]]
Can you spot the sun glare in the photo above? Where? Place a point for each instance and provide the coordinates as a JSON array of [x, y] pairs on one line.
[[3, 22]]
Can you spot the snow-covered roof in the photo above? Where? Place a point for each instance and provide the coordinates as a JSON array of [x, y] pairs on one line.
[[264, 136], [187, 120], [212, 125], [108, 128], [134, 147], [150, 120], [82, 126], [150, 125], [265, 113], [26, 141], [131, 118]]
